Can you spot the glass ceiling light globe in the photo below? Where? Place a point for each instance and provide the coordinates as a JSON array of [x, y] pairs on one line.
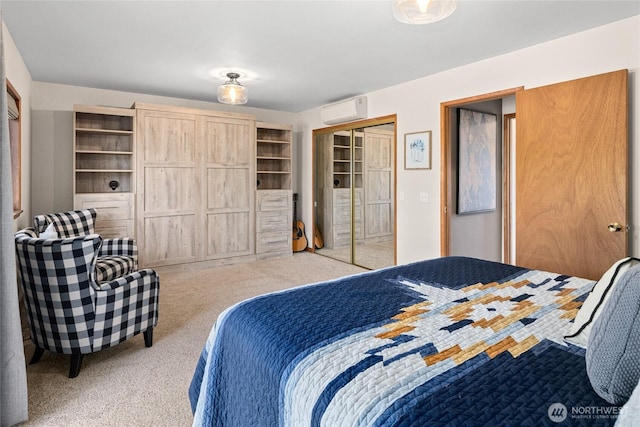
[[422, 11], [232, 92]]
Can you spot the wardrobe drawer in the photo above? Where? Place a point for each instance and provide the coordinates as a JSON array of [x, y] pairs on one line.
[[342, 234], [113, 229], [273, 200], [273, 242], [109, 207], [273, 221], [342, 214], [342, 197]]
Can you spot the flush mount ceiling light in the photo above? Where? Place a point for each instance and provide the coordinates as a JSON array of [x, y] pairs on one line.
[[232, 92], [422, 11]]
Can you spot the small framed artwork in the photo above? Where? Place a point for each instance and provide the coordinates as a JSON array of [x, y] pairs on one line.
[[417, 150], [476, 161]]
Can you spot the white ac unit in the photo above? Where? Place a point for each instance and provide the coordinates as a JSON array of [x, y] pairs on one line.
[[344, 111]]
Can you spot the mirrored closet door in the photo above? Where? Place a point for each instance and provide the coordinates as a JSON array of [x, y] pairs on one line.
[[354, 192]]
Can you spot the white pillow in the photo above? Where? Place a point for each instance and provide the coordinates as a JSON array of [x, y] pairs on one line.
[[49, 233], [590, 310]]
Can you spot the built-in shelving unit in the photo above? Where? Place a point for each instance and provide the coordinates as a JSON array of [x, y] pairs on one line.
[[104, 143], [103, 161], [273, 156], [274, 216]]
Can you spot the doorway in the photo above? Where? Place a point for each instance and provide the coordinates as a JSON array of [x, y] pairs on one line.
[[477, 234], [354, 192]]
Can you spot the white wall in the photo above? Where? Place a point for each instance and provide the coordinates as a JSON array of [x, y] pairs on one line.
[[20, 78], [417, 105]]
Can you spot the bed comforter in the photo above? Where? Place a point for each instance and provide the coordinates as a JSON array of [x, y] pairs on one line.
[[451, 341]]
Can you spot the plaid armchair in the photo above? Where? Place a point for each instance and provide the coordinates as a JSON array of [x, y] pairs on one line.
[[117, 257], [69, 311]]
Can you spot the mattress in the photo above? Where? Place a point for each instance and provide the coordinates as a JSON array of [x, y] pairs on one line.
[[450, 341]]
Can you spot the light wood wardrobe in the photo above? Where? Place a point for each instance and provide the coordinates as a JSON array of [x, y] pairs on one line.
[[195, 182]]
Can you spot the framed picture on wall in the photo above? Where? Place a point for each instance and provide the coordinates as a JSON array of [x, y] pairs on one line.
[[476, 161], [417, 150]]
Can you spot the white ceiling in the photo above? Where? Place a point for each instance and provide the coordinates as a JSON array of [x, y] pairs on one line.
[[293, 55]]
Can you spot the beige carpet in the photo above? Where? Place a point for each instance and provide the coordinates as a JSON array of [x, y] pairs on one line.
[[130, 385]]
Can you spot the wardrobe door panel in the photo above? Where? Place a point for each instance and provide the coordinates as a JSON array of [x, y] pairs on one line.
[[168, 200], [229, 235], [228, 189], [228, 194], [170, 189], [169, 239], [229, 142], [173, 139], [379, 184]]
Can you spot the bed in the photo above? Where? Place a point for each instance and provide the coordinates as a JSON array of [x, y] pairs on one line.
[[449, 341]]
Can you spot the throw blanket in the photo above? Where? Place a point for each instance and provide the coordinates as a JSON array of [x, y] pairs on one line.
[[441, 341]]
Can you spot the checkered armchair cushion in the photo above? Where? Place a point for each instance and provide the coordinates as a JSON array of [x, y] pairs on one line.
[[117, 257], [68, 224], [69, 312]]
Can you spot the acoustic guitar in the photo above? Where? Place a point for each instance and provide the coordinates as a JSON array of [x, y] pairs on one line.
[[318, 241], [299, 238]]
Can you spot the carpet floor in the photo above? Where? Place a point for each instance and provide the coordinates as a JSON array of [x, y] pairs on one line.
[[130, 385]]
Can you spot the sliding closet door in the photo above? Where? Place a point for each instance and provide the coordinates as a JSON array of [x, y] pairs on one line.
[[571, 175], [168, 199], [355, 191], [229, 182]]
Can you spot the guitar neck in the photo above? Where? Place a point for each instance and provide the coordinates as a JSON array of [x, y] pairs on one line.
[[295, 207]]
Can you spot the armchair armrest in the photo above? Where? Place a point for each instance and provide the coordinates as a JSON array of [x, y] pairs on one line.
[[146, 275], [122, 246], [125, 307]]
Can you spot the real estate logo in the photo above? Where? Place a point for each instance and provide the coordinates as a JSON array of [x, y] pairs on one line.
[[557, 412]]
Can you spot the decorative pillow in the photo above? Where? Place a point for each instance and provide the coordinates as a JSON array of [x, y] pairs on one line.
[[613, 350], [592, 307], [49, 233], [630, 412]]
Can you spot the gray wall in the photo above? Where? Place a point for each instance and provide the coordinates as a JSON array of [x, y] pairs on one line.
[[52, 161], [479, 234]]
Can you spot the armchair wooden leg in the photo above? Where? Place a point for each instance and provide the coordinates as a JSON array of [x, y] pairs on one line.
[[148, 337], [76, 362], [37, 354]]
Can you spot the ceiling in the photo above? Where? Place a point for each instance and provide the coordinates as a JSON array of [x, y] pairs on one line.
[[293, 55]]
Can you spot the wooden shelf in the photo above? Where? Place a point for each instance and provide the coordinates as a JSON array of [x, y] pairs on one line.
[[273, 156], [104, 170], [123, 153], [103, 149], [104, 131], [272, 141]]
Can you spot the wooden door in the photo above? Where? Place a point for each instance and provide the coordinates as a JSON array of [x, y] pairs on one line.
[[228, 174], [571, 175], [167, 199]]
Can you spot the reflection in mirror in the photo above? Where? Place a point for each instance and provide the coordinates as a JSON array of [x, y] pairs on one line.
[[354, 194]]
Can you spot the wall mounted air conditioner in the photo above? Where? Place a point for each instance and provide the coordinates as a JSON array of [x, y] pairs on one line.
[[344, 111]]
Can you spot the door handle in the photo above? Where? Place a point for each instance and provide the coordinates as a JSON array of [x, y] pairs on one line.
[[614, 227]]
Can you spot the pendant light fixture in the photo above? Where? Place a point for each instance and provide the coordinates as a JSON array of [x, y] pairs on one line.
[[422, 11], [232, 92]]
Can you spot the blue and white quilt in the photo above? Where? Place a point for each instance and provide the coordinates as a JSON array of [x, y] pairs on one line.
[[446, 341]]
